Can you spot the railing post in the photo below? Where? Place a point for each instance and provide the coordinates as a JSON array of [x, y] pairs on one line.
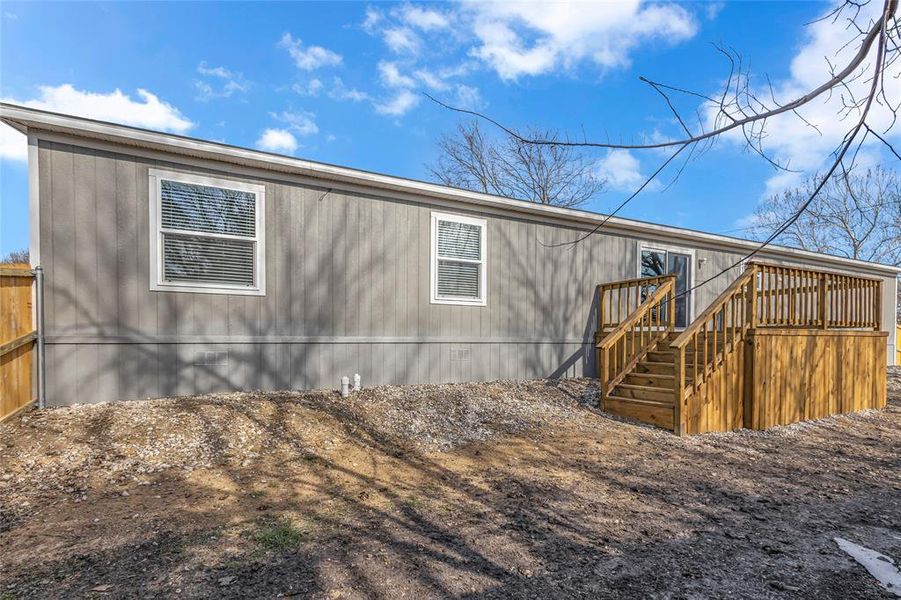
[[878, 308], [751, 303], [821, 300], [601, 294], [603, 375], [678, 387], [671, 305]]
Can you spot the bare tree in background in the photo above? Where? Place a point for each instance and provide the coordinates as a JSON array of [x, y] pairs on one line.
[[16, 257], [858, 77], [511, 167], [855, 216]]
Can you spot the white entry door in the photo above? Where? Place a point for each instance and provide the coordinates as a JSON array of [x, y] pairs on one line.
[[663, 261]]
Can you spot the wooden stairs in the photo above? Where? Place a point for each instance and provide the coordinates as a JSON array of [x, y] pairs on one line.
[[646, 393], [696, 380]]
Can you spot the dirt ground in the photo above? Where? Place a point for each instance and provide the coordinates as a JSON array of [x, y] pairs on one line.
[[500, 490]]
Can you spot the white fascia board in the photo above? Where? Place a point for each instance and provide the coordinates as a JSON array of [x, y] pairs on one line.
[[27, 118]]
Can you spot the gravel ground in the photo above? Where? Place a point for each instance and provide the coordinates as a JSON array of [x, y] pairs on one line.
[[504, 489]]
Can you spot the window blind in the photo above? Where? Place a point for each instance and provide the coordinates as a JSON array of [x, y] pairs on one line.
[[459, 260], [207, 260], [193, 207], [208, 234]]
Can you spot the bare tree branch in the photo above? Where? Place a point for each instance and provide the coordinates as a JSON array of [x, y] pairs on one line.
[[508, 167]]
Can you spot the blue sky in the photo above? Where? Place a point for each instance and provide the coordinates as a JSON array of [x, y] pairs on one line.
[[342, 82]]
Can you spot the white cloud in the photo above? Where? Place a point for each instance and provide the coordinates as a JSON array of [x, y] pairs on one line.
[[302, 123], [425, 19], [13, 145], [402, 40], [469, 97], [391, 76], [312, 87], [399, 105], [340, 91], [277, 140], [533, 38], [372, 19], [793, 142], [147, 110], [431, 81], [229, 83], [311, 57], [621, 170]]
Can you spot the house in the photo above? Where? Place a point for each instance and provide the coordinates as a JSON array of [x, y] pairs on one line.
[[178, 266]]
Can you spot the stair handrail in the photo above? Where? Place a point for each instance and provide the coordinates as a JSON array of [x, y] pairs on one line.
[[617, 353], [624, 289], [737, 302]]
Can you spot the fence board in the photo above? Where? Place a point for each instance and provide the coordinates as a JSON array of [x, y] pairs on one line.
[[16, 339]]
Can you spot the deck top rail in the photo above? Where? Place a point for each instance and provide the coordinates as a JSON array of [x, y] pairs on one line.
[[619, 299], [808, 298]]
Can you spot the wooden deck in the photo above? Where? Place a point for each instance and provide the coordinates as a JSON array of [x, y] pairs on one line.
[[778, 346]]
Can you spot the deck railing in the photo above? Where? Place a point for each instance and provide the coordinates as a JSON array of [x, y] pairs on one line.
[[707, 342], [793, 297], [633, 337], [619, 299], [708, 353]]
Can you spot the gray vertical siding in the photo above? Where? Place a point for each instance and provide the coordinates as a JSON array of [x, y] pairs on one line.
[[347, 292]]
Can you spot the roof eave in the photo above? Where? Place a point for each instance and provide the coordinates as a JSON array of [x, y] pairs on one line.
[[26, 119]]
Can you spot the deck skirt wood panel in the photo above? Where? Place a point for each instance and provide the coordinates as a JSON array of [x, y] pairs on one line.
[[806, 375]]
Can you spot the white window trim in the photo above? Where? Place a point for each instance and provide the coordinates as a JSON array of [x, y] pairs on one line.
[[433, 262], [157, 283], [692, 270]]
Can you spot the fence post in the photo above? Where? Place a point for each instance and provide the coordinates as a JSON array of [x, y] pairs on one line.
[[39, 326]]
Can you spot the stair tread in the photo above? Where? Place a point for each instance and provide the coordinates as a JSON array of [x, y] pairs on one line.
[[647, 388], [654, 403]]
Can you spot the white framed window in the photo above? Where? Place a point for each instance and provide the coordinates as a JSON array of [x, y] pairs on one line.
[[458, 258], [207, 234]]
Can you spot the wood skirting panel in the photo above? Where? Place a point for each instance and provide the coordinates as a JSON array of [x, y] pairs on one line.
[[802, 375], [717, 405]]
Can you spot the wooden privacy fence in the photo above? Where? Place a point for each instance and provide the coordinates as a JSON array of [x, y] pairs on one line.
[[17, 339]]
